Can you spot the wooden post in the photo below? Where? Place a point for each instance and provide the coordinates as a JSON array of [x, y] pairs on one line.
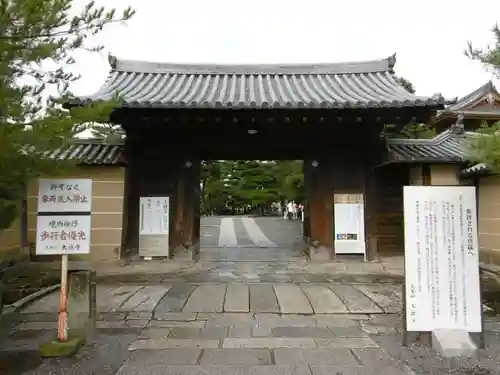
[[62, 327]]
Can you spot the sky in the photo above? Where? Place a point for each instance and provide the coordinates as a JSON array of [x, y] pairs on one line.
[[428, 36]]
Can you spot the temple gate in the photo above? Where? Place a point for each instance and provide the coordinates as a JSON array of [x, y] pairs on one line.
[[329, 115]]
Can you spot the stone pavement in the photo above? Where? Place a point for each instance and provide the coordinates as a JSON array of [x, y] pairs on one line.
[[254, 307], [157, 301], [184, 343]]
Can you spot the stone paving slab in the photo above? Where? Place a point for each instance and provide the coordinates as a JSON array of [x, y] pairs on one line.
[[176, 324], [111, 299], [237, 356], [384, 297], [163, 302], [145, 299], [315, 332], [357, 370], [263, 299], [180, 316], [237, 298], [323, 300], [206, 298], [165, 343], [175, 299], [162, 358], [271, 342], [346, 342], [320, 357], [214, 370], [292, 300], [355, 300]]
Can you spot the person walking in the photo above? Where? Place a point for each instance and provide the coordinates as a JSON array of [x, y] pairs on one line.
[[289, 210]]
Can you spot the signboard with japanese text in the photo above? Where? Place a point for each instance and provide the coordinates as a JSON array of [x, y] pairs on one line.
[[154, 215], [349, 224], [59, 235], [154, 226], [64, 216], [64, 195], [441, 258]]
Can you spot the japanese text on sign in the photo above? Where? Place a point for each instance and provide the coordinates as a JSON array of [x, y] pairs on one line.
[[441, 258], [154, 215], [63, 235], [65, 195]]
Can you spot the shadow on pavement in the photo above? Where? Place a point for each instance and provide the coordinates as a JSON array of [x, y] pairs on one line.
[[18, 362]]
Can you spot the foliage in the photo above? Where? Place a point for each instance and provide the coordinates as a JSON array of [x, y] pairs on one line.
[[37, 43], [412, 131], [407, 85], [489, 56], [486, 147], [247, 185], [108, 132]]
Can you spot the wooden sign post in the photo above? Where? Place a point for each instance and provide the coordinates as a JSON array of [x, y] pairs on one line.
[[63, 228], [442, 287]]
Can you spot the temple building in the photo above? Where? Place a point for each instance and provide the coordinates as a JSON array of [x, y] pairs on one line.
[[481, 105], [329, 115]]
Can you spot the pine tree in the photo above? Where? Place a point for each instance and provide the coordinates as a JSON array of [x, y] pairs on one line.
[[486, 148], [38, 39]]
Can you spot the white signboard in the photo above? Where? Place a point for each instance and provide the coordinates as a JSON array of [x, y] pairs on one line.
[[441, 258], [65, 195], [154, 226], [349, 224], [63, 234], [154, 215]]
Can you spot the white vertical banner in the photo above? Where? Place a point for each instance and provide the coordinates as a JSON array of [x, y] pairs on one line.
[[349, 224], [441, 258], [154, 226]]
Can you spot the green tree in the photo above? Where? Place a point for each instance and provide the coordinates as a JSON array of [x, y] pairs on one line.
[[290, 175], [486, 148], [407, 85], [490, 56], [38, 39], [412, 131], [108, 132], [249, 185]]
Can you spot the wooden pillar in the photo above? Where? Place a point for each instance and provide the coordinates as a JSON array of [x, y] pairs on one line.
[[130, 230], [191, 223], [420, 175], [372, 157], [151, 175], [319, 203], [177, 233], [187, 219], [371, 210]]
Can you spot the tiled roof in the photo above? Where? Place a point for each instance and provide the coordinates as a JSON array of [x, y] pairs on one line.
[[466, 105], [446, 147], [89, 152], [476, 169], [367, 84]]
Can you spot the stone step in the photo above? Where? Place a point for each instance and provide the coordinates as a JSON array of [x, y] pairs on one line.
[[257, 361]]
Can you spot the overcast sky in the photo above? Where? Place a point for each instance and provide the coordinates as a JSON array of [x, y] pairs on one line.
[[429, 36]]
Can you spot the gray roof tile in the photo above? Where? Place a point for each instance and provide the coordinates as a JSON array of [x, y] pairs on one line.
[[476, 169], [446, 147], [89, 152], [465, 106], [367, 84]]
